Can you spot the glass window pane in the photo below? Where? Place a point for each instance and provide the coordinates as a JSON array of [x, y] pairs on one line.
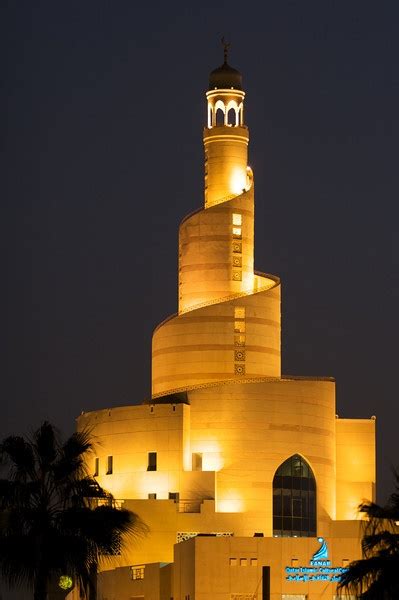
[[277, 505], [287, 504], [294, 498], [285, 468], [296, 483], [287, 482], [296, 507], [305, 524], [287, 524], [305, 509], [297, 466]]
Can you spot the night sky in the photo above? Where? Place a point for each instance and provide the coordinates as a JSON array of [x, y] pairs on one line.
[[102, 157]]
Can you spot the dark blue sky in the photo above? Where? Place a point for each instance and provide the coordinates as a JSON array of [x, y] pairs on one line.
[[102, 157]]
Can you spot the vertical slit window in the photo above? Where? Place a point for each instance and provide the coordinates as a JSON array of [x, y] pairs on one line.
[[96, 466], [110, 465], [152, 461]]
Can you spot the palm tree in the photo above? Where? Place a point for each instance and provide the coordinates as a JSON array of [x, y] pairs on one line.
[[55, 520], [376, 576]]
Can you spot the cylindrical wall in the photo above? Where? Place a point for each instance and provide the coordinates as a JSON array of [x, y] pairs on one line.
[[233, 339], [216, 257], [253, 428], [243, 433], [226, 161], [128, 434]]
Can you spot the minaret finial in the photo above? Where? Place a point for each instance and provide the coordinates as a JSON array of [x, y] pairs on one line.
[[226, 46]]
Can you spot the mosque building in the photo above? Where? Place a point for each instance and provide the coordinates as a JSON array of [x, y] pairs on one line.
[[248, 481]]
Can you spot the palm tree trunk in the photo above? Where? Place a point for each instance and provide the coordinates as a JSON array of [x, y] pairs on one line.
[[40, 585], [93, 583], [40, 590]]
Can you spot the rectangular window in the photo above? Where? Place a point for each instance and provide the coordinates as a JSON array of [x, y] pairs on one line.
[[152, 496], [233, 562], [237, 219], [243, 562], [174, 496], [237, 232], [110, 465], [96, 467], [254, 562], [152, 461], [197, 461]]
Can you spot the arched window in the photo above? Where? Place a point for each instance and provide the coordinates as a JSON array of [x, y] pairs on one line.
[[294, 499], [231, 117], [219, 117]]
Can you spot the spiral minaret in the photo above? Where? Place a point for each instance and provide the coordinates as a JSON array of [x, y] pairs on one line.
[[228, 323], [229, 448]]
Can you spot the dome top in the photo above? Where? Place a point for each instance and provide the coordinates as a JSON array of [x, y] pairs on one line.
[[225, 77]]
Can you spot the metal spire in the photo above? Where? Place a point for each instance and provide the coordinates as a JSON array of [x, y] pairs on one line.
[[226, 46]]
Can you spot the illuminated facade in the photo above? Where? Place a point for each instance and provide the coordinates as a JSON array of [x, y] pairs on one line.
[[228, 447]]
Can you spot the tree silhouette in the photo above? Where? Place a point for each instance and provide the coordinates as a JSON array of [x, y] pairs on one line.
[[376, 576], [55, 520]]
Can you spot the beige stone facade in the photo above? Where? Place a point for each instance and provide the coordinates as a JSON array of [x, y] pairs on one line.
[[243, 475]]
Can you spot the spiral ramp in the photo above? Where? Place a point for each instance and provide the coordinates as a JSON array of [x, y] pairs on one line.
[[229, 322]]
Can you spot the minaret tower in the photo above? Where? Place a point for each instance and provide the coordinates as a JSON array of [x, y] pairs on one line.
[[228, 322], [227, 444], [226, 136]]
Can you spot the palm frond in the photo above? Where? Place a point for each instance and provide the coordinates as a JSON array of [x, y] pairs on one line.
[[51, 522], [45, 444], [375, 576], [18, 454], [71, 460]]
